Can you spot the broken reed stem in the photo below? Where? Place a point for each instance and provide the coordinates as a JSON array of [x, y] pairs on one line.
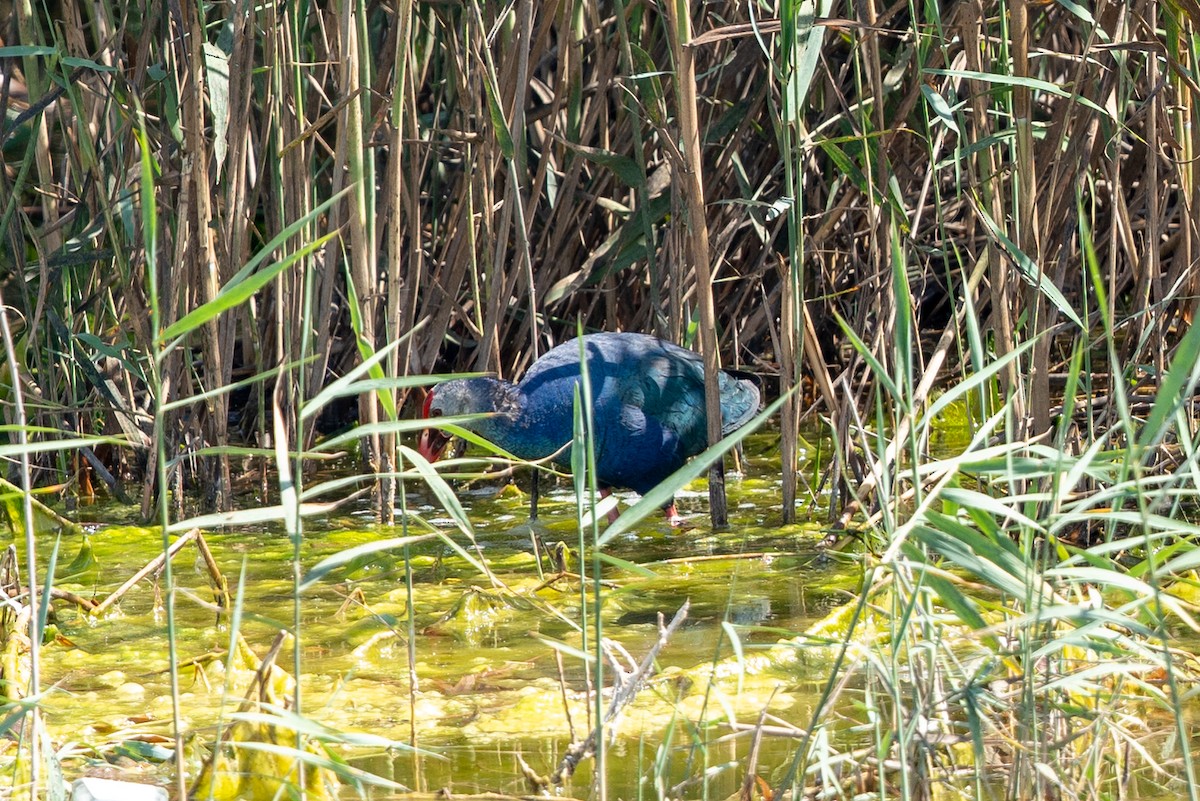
[[214, 572], [194, 535], [752, 759], [623, 694]]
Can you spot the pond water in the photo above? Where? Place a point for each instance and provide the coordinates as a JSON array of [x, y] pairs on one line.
[[492, 692]]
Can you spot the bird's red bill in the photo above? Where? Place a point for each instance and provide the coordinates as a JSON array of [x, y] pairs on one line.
[[432, 443]]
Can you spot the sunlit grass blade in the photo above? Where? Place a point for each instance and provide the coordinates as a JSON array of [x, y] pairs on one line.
[[974, 553], [445, 495], [448, 423], [275, 715], [250, 517], [56, 445], [1027, 82], [1184, 371], [233, 387], [1031, 273], [971, 383], [235, 293], [349, 384], [337, 767], [350, 556], [632, 568]]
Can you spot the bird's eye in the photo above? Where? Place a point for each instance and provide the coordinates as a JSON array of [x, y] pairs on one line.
[[435, 412]]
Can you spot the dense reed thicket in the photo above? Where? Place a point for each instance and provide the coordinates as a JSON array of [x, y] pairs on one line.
[[221, 218], [512, 168]]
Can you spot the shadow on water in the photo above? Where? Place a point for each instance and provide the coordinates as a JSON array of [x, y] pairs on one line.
[[491, 691]]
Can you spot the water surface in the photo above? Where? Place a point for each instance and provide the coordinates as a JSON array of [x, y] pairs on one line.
[[491, 690]]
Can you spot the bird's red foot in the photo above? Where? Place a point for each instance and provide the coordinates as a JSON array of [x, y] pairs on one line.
[[613, 513], [674, 518]]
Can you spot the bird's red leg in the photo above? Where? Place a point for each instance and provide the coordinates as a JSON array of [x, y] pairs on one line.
[[673, 516], [613, 514]]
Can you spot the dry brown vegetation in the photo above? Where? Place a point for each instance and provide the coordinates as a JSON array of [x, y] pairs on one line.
[[514, 168], [211, 213]]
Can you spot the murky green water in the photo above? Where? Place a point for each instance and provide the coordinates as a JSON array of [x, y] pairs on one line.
[[491, 689]]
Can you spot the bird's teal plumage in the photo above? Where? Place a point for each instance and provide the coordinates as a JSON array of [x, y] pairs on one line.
[[647, 406]]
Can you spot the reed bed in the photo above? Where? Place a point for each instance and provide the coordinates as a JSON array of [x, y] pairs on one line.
[[510, 170], [233, 230]]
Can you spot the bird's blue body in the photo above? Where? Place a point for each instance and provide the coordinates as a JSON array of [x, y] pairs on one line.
[[647, 407]]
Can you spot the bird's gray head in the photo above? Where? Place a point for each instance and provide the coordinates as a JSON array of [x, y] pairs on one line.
[[464, 396], [460, 396]]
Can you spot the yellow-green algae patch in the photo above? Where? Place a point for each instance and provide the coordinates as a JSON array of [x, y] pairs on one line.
[[486, 671]]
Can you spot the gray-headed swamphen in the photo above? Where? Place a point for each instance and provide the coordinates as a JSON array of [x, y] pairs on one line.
[[647, 409]]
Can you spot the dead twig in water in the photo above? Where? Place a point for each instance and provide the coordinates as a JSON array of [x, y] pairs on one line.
[[625, 688], [155, 564], [259, 682]]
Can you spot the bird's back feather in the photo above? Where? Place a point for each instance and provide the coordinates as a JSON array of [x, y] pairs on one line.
[[648, 403], [647, 406]]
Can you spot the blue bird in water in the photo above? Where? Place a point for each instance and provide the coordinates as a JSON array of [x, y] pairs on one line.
[[647, 409]]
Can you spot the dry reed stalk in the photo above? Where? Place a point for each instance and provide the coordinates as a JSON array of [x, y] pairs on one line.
[[205, 274], [1152, 291], [402, 211], [1028, 237], [984, 172], [788, 368], [691, 166], [355, 160]]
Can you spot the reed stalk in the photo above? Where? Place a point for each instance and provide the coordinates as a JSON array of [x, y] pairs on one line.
[[159, 357], [680, 16], [36, 618]]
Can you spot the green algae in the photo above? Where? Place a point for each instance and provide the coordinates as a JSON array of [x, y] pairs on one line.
[[45, 519], [488, 679]]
